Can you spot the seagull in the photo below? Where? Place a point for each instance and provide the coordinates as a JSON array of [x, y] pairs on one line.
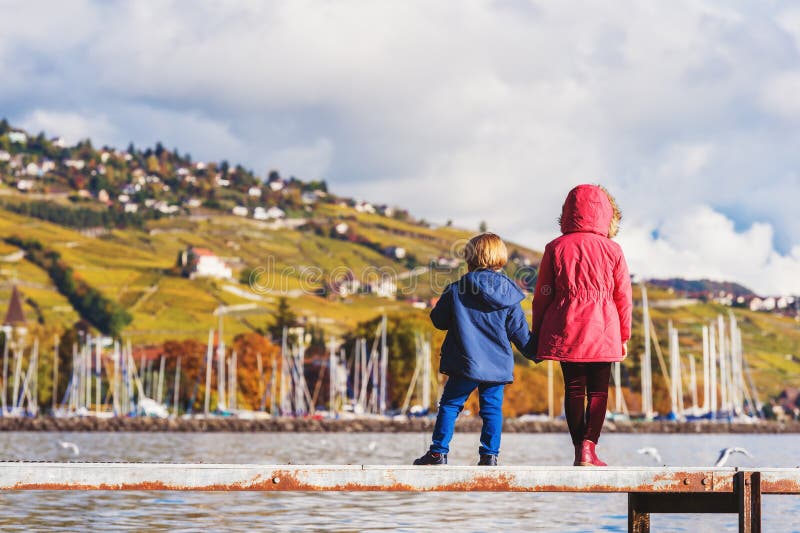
[[652, 452], [70, 446], [372, 445], [725, 453]]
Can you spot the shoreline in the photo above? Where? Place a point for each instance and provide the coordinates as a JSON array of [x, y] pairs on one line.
[[366, 425]]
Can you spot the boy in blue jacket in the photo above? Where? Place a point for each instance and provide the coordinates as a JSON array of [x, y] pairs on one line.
[[481, 313]]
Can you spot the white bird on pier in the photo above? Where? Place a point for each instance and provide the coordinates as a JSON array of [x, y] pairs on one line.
[[70, 446], [725, 453], [652, 452]]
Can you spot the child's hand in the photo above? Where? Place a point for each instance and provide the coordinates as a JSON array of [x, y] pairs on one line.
[[625, 349]]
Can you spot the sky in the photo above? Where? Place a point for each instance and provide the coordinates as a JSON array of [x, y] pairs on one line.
[[687, 111]]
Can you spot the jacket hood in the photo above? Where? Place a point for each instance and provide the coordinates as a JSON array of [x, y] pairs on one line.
[[492, 289], [587, 208]]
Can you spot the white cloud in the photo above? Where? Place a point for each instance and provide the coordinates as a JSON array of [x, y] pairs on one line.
[[493, 109], [779, 95], [73, 127], [702, 243]]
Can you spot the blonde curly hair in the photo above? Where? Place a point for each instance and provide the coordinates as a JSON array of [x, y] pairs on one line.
[[616, 216]]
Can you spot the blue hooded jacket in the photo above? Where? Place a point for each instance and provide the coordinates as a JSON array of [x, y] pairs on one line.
[[481, 314]]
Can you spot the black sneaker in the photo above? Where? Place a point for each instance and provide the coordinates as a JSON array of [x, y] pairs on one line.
[[488, 460], [432, 458]]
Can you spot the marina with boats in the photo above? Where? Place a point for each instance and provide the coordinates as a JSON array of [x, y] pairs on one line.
[[111, 379]]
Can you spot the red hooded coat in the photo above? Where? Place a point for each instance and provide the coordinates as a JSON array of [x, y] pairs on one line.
[[582, 304]]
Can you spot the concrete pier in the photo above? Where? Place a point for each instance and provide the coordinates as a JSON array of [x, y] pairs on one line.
[[650, 490]]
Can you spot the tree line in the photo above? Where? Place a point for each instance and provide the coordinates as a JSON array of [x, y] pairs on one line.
[[75, 217], [94, 307]]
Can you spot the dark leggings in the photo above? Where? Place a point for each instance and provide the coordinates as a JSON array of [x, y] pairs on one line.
[[585, 419]]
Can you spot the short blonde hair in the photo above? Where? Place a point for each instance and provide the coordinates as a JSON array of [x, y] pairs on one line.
[[486, 251]]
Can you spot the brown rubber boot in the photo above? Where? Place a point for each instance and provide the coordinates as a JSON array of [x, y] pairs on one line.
[[588, 455]]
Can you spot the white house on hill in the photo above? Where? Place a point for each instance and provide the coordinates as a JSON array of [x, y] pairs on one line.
[[203, 263], [17, 137], [385, 287]]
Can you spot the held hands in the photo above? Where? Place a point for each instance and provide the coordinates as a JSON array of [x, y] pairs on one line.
[[530, 350]]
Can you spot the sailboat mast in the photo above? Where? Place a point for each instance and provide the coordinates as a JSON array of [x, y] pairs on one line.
[[113, 380], [161, 378], [262, 395], [331, 377], [723, 364], [234, 379], [284, 398], [273, 383], [426, 375], [712, 368], [674, 370], [17, 371], [550, 396], [375, 361], [33, 405], [693, 385], [737, 385], [98, 354], [55, 375], [706, 373], [384, 368], [220, 366], [209, 355], [176, 395], [647, 373], [617, 387]]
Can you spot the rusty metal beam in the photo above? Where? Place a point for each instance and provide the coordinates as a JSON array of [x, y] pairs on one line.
[[747, 489], [676, 502], [777, 480], [253, 477]]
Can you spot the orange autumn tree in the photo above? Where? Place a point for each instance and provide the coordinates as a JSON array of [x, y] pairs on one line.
[[253, 387], [192, 355]]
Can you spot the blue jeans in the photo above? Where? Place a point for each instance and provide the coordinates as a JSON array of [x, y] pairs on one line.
[[455, 394]]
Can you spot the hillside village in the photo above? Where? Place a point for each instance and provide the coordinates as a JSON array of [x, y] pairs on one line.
[[95, 190], [151, 183]]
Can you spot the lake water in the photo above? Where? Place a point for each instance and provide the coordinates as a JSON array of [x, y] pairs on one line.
[[242, 511]]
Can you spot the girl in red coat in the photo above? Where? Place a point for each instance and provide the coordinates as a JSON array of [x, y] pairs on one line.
[[582, 311]]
